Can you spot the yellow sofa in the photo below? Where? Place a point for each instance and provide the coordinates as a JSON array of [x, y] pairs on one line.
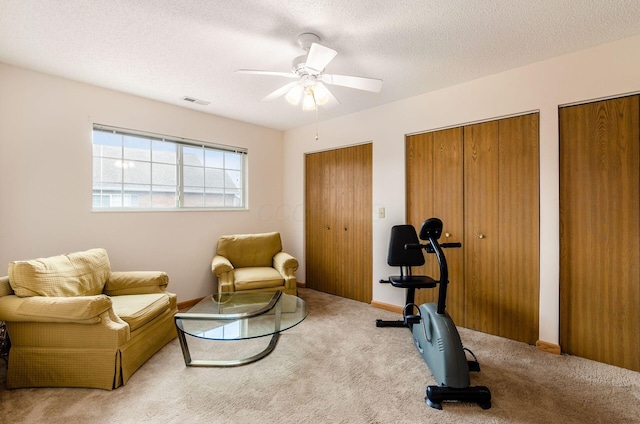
[[74, 323], [254, 262]]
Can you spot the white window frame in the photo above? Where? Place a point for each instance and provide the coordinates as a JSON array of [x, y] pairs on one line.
[[230, 182]]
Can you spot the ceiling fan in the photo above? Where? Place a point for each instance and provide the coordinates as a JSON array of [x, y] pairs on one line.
[[308, 70]]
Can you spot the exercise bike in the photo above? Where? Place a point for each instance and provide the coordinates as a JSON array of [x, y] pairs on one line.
[[434, 332]]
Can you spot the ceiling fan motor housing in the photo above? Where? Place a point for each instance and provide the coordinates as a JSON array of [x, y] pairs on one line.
[[298, 65], [306, 39]]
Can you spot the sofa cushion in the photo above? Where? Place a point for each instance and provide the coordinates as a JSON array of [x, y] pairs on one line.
[[139, 309], [85, 309], [257, 278], [74, 274], [245, 250]]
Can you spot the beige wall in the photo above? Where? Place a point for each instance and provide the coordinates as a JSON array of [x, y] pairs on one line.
[[45, 166], [608, 70], [45, 180]]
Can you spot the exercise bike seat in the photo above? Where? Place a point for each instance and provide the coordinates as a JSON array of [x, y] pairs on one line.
[[412, 281], [400, 254]]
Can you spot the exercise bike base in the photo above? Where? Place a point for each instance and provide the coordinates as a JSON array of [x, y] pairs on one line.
[[438, 394]]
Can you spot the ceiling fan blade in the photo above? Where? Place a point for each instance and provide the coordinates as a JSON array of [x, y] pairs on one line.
[[271, 73], [361, 83], [279, 92], [319, 57]]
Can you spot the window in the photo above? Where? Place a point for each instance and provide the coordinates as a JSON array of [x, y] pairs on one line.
[[134, 170]]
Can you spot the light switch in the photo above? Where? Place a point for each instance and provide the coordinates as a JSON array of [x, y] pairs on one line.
[[381, 212]]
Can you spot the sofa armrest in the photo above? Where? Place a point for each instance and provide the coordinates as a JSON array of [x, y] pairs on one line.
[[220, 265], [223, 269], [78, 309], [136, 282], [5, 287], [285, 263]]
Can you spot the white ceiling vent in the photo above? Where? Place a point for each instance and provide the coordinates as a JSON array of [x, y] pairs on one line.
[[196, 101]]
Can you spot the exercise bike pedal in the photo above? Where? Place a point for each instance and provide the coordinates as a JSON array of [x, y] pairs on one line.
[[474, 366], [383, 323]]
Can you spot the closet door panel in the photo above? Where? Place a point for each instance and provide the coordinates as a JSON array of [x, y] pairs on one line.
[[312, 213], [434, 189], [319, 210], [338, 222], [363, 233], [343, 209], [354, 227], [600, 231], [419, 168], [482, 297], [519, 217], [419, 162], [448, 200]]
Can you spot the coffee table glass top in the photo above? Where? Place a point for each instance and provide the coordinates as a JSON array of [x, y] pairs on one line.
[[239, 316]]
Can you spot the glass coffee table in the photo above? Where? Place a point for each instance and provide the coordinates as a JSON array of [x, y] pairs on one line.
[[239, 316]]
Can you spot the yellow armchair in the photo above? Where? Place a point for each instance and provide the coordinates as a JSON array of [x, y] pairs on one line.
[[74, 323], [254, 262]]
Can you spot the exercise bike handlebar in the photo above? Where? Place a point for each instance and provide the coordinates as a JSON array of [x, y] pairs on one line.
[[444, 274], [428, 247], [431, 231]]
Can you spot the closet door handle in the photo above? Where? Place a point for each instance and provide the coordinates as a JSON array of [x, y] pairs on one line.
[[480, 236], [447, 235]]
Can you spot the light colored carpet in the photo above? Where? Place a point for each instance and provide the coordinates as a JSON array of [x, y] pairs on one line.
[[337, 367]]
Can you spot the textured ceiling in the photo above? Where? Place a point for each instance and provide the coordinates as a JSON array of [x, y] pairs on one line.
[[167, 49]]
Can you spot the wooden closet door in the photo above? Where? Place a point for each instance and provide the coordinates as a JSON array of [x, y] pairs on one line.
[[320, 206], [352, 232], [419, 177], [482, 180], [435, 189], [481, 242], [419, 180], [518, 226], [338, 223], [600, 231]]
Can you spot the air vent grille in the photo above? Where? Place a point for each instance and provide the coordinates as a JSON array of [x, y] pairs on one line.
[[196, 101]]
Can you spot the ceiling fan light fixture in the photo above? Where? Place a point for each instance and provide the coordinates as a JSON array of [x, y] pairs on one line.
[[320, 93], [294, 95], [309, 101]]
